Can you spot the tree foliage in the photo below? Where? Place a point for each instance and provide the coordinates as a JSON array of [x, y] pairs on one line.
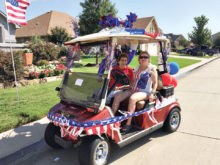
[[217, 41], [93, 10], [6, 66], [183, 42], [58, 35], [36, 39], [200, 35]]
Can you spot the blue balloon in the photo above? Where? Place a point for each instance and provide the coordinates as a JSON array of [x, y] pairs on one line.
[[174, 68]]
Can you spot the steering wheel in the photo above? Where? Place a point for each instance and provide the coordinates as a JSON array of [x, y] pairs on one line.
[[119, 77]]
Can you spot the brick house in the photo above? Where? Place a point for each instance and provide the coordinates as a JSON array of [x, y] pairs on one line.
[[174, 39], [42, 25]]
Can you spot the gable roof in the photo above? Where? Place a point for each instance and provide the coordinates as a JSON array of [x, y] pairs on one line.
[[143, 23], [173, 37], [216, 35], [42, 24]]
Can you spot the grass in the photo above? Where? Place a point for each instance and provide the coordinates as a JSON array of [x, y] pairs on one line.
[[181, 61], [36, 100]]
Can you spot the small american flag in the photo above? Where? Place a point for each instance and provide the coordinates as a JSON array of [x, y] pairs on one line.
[[16, 10]]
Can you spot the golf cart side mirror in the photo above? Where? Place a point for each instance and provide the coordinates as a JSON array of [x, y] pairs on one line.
[[57, 89]]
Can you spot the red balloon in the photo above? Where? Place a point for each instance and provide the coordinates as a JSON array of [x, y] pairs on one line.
[[173, 81], [166, 79]]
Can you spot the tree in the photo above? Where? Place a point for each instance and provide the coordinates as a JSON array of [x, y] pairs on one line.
[[217, 41], [93, 10], [58, 35], [36, 39], [200, 35], [183, 42]]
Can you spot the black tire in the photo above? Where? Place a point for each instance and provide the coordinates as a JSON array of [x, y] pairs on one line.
[[93, 149], [173, 120], [49, 135]]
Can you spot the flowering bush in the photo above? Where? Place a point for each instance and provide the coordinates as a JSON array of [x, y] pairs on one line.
[[33, 75], [59, 70], [61, 66], [50, 73], [44, 73]]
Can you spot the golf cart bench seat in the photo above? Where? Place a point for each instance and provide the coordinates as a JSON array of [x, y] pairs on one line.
[[140, 105]]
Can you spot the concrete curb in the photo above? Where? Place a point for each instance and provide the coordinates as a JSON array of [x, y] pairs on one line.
[[178, 76], [39, 142]]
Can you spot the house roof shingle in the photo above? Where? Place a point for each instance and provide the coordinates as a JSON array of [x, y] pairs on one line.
[[216, 35], [142, 23], [42, 24], [173, 37]]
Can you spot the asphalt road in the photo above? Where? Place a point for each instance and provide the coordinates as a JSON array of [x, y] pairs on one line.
[[196, 142]]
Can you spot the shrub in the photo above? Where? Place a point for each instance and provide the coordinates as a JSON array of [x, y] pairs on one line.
[[59, 70], [63, 52], [44, 51], [36, 39], [6, 67], [33, 75], [27, 51], [44, 73], [42, 62], [50, 73], [59, 35]]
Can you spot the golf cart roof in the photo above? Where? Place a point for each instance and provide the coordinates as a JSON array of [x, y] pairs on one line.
[[122, 36]]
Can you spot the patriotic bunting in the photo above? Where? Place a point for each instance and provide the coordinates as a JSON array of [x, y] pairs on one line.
[[72, 129]]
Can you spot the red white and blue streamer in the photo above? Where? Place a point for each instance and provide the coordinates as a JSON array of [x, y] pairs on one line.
[[72, 129]]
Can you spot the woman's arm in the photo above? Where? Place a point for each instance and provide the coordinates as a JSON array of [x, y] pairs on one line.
[[154, 76]]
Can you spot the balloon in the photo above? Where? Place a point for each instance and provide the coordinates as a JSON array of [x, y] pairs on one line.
[[166, 79], [173, 81], [174, 68]]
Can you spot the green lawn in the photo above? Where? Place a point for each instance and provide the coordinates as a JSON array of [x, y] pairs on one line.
[[36, 100], [182, 63]]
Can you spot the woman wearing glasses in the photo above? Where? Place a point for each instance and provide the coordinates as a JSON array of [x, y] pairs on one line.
[[143, 87]]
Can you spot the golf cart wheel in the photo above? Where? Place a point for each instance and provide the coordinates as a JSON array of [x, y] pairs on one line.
[[173, 120], [94, 151], [49, 135]]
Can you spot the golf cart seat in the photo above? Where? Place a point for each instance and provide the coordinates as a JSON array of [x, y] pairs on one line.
[[140, 105]]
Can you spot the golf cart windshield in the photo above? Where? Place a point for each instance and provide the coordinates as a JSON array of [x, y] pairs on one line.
[[82, 89]]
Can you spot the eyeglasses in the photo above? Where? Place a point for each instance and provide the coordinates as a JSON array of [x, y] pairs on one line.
[[143, 57]]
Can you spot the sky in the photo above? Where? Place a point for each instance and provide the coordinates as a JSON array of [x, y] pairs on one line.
[[172, 16]]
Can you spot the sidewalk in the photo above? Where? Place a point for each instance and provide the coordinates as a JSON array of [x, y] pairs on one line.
[[19, 138]]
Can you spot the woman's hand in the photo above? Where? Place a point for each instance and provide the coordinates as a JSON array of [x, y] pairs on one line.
[[117, 88], [122, 87], [151, 98]]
